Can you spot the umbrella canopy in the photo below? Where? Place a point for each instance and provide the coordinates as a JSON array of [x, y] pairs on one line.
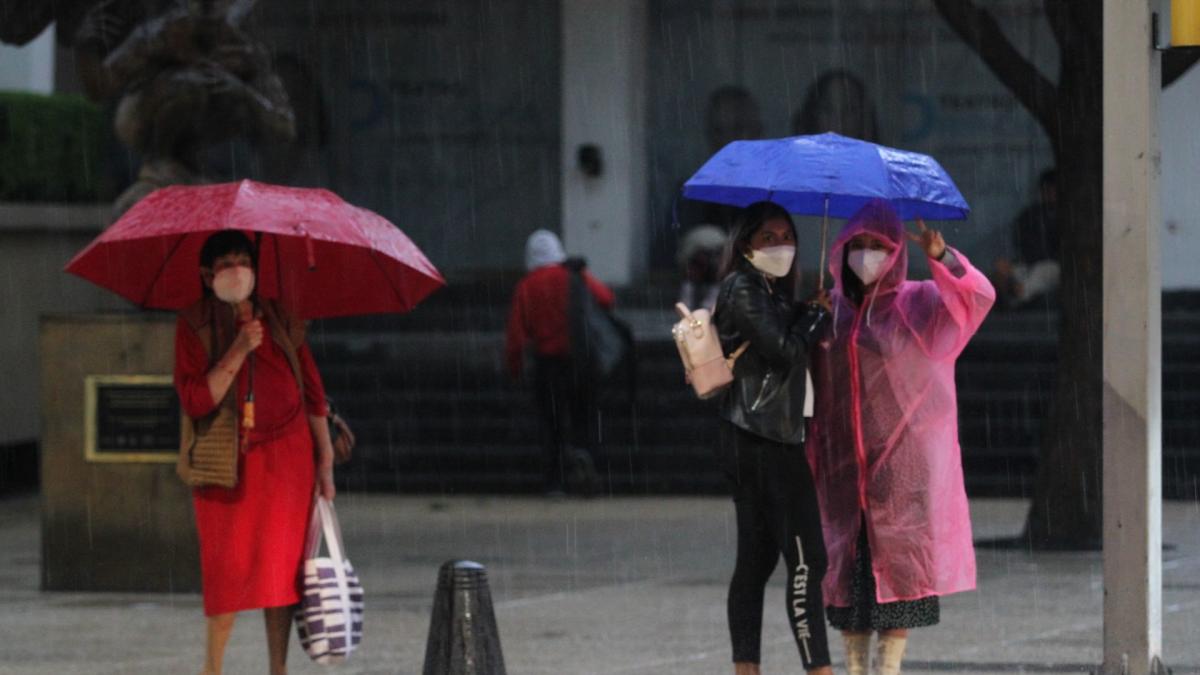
[[318, 255], [802, 172]]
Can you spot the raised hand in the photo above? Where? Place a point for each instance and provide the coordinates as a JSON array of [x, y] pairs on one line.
[[929, 239]]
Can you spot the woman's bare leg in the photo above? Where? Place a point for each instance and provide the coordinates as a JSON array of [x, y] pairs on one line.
[[219, 628], [278, 622]]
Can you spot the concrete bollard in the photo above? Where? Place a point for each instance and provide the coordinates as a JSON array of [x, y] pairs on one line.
[[463, 638]]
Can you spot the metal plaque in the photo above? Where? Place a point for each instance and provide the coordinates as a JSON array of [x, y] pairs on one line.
[[130, 418]]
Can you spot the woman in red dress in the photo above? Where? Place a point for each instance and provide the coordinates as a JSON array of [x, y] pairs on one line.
[[252, 535]]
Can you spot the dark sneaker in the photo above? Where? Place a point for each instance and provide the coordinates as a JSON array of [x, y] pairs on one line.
[[582, 476]]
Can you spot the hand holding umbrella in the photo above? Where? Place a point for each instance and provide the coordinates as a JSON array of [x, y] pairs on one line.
[[249, 337], [252, 328], [822, 299]]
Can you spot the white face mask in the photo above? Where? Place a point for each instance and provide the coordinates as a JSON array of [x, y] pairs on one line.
[[233, 284], [867, 264], [775, 261]]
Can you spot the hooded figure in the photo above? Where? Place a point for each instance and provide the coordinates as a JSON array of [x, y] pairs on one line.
[[884, 440], [538, 324], [699, 258], [543, 248]]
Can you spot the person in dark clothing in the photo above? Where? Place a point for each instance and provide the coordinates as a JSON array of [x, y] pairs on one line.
[[1035, 232], [564, 392], [1032, 279], [762, 448], [700, 261]]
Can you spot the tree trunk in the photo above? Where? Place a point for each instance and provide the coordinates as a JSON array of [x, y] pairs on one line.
[[1066, 510], [1066, 513]]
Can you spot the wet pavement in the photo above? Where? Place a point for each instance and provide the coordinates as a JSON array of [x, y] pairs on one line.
[[605, 586]]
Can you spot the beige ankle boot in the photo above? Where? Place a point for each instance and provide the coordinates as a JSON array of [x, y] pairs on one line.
[[889, 653], [858, 652]]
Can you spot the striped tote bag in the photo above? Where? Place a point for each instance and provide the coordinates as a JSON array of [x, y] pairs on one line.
[[330, 617]]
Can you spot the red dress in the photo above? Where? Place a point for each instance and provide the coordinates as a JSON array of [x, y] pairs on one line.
[[252, 536]]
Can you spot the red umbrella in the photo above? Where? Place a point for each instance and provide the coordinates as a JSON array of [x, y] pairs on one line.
[[318, 255]]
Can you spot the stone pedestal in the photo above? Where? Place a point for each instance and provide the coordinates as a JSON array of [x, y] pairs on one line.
[[117, 522]]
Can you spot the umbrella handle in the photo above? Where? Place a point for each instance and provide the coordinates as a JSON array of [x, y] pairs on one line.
[[248, 404]]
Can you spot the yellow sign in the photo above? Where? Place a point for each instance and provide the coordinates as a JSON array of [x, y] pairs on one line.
[[130, 418], [1185, 23]]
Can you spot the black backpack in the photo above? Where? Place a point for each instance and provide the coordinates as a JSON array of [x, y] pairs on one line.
[[600, 342]]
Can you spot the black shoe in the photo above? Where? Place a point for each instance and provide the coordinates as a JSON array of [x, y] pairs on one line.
[[582, 476]]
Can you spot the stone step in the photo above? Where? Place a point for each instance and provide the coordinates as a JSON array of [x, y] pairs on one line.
[[435, 410], [469, 404], [434, 357], [486, 310], [684, 469], [1034, 402], [521, 463], [618, 428]]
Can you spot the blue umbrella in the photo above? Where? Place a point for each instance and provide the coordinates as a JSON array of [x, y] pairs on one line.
[[807, 174], [827, 174]]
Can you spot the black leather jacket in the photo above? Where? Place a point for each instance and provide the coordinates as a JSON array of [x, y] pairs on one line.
[[769, 383]]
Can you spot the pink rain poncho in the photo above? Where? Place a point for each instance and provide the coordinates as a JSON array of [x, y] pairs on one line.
[[884, 441]]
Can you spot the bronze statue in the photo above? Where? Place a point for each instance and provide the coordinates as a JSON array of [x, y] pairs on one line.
[[183, 72]]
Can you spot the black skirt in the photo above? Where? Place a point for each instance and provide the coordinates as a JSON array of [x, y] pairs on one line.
[[866, 614]]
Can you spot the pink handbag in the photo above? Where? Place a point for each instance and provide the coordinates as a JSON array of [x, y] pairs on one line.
[[705, 365]]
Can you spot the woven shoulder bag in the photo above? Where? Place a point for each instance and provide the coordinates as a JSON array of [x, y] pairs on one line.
[[208, 452]]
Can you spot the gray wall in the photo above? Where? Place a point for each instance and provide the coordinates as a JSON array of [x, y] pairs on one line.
[[442, 116], [929, 91], [36, 242]]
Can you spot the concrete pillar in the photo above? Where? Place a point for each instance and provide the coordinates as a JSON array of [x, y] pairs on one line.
[[603, 90], [1132, 344]]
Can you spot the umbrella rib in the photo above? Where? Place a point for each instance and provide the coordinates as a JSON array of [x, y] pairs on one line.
[[161, 268], [375, 259]]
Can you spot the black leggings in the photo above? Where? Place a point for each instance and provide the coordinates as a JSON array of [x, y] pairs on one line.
[[777, 513]]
